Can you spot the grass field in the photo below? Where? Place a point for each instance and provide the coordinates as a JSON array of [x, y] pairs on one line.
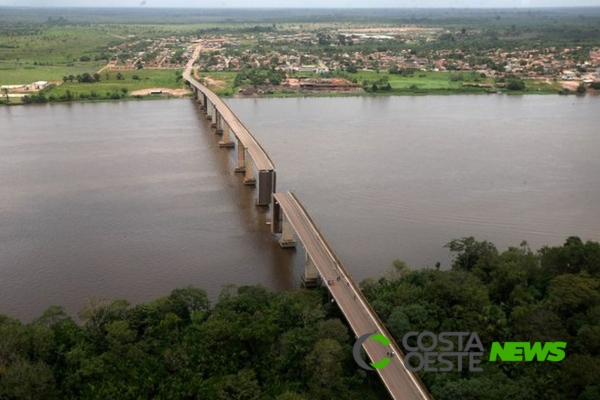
[[55, 44], [157, 78], [17, 74], [51, 53]]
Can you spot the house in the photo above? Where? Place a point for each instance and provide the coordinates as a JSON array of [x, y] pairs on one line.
[[307, 68], [39, 85]]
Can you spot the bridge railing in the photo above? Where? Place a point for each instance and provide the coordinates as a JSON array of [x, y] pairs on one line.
[[349, 279]]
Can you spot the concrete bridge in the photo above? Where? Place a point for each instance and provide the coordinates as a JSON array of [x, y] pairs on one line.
[[250, 153], [291, 220]]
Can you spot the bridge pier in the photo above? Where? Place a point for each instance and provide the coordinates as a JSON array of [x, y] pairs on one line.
[[287, 233], [213, 116], [203, 101], [226, 142], [249, 179], [310, 279], [241, 161], [209, 107], [266, 187], [219, 124], [281, 224], [199, 96]]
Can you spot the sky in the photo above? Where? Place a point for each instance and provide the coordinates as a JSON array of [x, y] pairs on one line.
[[305, 3]]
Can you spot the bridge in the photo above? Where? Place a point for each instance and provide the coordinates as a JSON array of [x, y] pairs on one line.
[[290, 219], [250, 153]]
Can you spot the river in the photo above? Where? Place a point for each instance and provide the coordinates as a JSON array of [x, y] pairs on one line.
[[132, 199]]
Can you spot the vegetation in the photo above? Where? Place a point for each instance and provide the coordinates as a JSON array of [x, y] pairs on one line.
[[516, 295], [256, 77], [252, 344], [106, 86], [111, 81]]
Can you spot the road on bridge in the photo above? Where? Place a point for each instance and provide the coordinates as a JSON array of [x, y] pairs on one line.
[[401, 383]]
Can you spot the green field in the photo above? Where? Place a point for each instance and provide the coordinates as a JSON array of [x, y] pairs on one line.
[[157, 78], [49, 53], [17, 74]]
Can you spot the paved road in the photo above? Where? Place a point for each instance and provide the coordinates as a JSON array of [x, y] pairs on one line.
[[401, 383], [259, 155]]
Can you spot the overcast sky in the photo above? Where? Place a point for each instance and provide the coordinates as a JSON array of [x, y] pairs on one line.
[[302, 3]]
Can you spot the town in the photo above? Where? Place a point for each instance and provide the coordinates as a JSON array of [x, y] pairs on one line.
[[322, 58]]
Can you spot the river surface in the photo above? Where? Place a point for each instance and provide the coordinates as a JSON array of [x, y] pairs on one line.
[[130, 200]]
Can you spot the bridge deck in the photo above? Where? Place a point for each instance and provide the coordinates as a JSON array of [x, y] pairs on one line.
[[259, 155], [400, 382]]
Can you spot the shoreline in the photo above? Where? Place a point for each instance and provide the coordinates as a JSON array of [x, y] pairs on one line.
[[281, 95]]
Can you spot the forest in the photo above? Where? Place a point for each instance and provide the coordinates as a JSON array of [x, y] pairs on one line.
[[513, 296], [252, 344], [257, 344]]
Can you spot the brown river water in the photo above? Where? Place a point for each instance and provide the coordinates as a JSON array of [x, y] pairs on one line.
[[132, 199]]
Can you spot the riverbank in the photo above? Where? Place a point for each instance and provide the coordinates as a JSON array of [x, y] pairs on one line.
[[148, 95], [372, 83], [100, 92]]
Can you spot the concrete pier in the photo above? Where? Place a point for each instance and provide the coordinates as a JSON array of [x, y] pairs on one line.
[[310, 279], [249, 179], [213, 116], [219, 124], [266, 187], [241, 161], [287, 233], [209, 107], [226, 142]]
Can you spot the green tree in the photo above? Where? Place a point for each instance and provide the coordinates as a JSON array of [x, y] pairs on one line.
[[570, 294], [470, 252], [515, 84]]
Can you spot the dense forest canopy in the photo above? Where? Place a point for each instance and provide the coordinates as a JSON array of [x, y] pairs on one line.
[[255, 344], [252, 344], [511, 296]]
